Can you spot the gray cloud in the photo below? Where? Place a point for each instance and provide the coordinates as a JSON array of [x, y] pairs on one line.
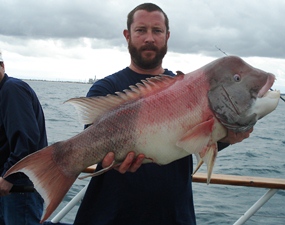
[[244, 28]]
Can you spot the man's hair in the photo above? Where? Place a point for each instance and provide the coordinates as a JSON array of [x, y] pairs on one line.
[[149, 7]]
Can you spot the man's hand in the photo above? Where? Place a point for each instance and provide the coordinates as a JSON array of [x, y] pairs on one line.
[[131, 163], [5, 187], [233, 138]]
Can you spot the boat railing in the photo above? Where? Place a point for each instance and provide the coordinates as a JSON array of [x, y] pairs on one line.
[[273, 184]]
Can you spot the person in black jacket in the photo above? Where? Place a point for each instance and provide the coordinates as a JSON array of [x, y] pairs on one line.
[[22, 132]]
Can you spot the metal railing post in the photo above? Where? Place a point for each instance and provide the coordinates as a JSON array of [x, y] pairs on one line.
[[70, 205], [253, 209]]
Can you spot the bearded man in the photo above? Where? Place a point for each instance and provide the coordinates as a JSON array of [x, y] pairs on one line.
[[152, 194]]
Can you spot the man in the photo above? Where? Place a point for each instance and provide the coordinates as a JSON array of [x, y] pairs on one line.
[[22, 132], [153, 194]]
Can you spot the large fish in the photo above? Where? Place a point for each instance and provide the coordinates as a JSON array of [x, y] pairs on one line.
[[165, 118]]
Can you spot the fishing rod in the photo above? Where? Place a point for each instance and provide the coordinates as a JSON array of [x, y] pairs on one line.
[[280, 95], [227, 55]]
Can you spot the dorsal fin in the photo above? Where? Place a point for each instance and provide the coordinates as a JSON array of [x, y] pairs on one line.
[[89, 108]]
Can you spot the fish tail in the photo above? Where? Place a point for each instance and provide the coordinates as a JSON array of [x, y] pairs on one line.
[[48, 178]]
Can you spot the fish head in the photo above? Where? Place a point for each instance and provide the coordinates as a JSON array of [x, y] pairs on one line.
[[239, 94]]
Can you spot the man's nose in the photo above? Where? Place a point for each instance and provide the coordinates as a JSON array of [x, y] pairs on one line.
[[149, 37]]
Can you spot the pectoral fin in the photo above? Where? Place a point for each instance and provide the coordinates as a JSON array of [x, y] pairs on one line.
[[202, 141], [197, 138]]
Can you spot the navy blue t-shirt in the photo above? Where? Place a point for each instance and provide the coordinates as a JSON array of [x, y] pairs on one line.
[[152, 195], [22, 125]]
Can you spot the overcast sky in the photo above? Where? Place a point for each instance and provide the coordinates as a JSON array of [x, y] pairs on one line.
[[80, 39]]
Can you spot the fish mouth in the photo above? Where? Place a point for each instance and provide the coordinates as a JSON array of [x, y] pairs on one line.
[[266, 104], [270, 81], [272, 94], [266, 97], [266, 100]]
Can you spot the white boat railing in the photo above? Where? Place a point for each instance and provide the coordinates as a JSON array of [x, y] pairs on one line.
[[272, 184]]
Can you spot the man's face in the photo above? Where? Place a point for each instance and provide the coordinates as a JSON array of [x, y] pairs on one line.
[[147, 39], [2, 70]]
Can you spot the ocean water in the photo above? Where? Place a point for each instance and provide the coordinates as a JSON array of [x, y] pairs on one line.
[[262, 155]]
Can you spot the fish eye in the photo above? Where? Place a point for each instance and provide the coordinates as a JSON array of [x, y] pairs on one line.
[[237, 77]]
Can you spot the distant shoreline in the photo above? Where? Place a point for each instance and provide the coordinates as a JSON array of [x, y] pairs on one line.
[[80, 82], [61, 81]]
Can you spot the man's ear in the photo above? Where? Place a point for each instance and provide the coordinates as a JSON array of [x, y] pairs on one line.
[[168, 35], [126, 34]]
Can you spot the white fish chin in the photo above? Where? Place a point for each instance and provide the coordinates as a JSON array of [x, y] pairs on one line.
[[266, 104]]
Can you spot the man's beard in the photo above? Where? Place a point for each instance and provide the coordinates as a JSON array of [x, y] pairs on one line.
[[144, 63]]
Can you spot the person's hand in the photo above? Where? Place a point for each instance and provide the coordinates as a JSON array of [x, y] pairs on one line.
[[233, 138], [130, 164], [5, 187]]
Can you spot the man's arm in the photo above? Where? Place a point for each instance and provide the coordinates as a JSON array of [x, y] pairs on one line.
[[21, 128], [233, 138]]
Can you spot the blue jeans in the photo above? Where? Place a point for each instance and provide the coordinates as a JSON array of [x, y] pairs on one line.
[[21, 209]]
